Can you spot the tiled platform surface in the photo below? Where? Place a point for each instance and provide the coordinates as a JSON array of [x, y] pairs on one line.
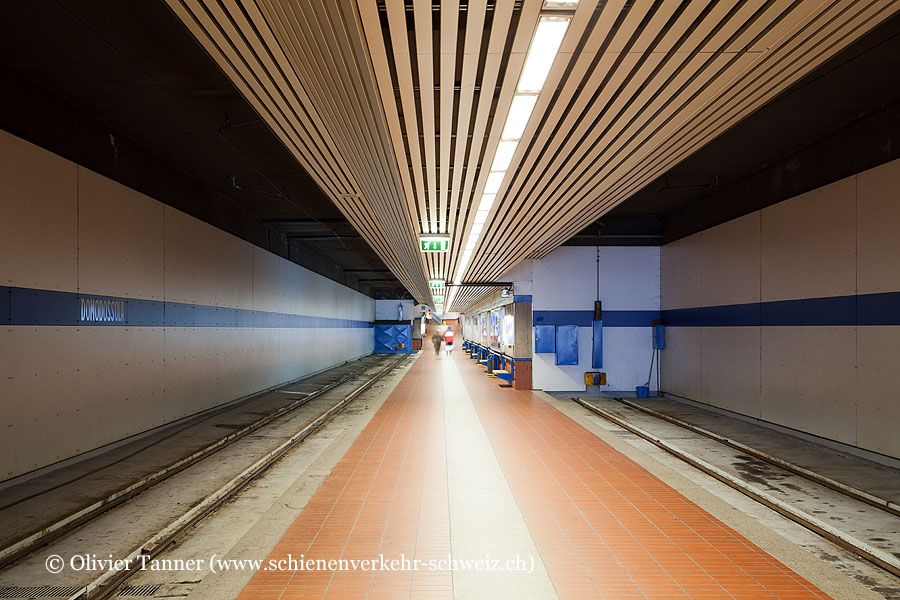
[[602, 526]]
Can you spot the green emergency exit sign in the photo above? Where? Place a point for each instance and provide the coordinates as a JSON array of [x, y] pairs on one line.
[[434, 243]]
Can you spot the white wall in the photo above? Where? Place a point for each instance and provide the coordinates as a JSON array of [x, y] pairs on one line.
[[387, 310], [68, 389], [566, 280], [834, 381]]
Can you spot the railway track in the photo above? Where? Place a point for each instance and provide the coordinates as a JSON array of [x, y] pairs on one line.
[[785, 499], [275, 433]]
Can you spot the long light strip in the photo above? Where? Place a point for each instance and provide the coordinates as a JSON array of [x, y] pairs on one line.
[[548, 37]]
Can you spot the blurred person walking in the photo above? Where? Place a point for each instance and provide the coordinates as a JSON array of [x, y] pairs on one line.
[[436, 339], [448, 341]]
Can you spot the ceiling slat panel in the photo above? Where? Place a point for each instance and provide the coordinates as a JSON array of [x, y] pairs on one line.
[[378, 53], [425, 59], [449, 34], [475, 20], [396, 13]]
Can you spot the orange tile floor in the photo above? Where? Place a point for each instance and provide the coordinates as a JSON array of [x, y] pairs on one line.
[[604, 526]]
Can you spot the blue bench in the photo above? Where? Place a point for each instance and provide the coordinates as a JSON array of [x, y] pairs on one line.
[[507, 370], [497, 364]]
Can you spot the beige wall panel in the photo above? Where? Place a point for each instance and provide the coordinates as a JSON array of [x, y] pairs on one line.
[[274, 288], [809, 244], [328, 294], [120, 371], [75, 389], [121, 240], [809, 380], [37, 394], [730, 375], [681, 362], [878, 229], [233, 270], [729, 259], [680, 281], [877, 397], [188, 370], [191, 256], [205, 265], [38, 203], [307, 301]]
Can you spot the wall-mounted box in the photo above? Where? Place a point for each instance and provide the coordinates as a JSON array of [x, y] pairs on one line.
[[659, 337], [597, 346], [544, 339], [595, 378], [567, 344]]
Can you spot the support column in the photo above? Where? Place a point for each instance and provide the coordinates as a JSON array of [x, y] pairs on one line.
[[523, 344]]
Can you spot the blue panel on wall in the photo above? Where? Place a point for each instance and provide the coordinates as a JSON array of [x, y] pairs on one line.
[[597, 348], [4, 304], [144, 313], [567, 344], [206, 316], [404, 337], [659, 337], [383, 339], [545, 339], [43, 307], [583, 318], [388, 338], [179, 315]]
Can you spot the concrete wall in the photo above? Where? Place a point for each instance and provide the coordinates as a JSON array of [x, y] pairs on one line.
[[563, 286], [209, 317], [790, 314], [387, 310]]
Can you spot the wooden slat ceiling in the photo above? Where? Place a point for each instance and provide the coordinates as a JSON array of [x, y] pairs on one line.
[[396, 105]]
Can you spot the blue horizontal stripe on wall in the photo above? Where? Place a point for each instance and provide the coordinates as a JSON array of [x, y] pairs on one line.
[[26, 306], [522, 298], [585, 318], [860, 310]]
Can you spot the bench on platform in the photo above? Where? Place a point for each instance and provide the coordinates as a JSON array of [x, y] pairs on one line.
[[497, 364]]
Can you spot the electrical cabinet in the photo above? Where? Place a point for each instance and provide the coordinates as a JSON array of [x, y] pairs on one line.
[[567, 344], [544, 339]]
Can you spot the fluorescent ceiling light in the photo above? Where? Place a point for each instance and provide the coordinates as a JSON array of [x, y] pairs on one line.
[[504, 155], [481, 216], [517, 119], [476, 229], [487, 201], [560, 3], [544, 46], [471, 244], [492, 185]]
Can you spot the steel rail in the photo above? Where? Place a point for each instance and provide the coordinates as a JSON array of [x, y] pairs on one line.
[[874, 555], [837, 486]]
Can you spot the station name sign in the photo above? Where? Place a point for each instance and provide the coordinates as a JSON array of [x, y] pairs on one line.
[[102, 311]]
